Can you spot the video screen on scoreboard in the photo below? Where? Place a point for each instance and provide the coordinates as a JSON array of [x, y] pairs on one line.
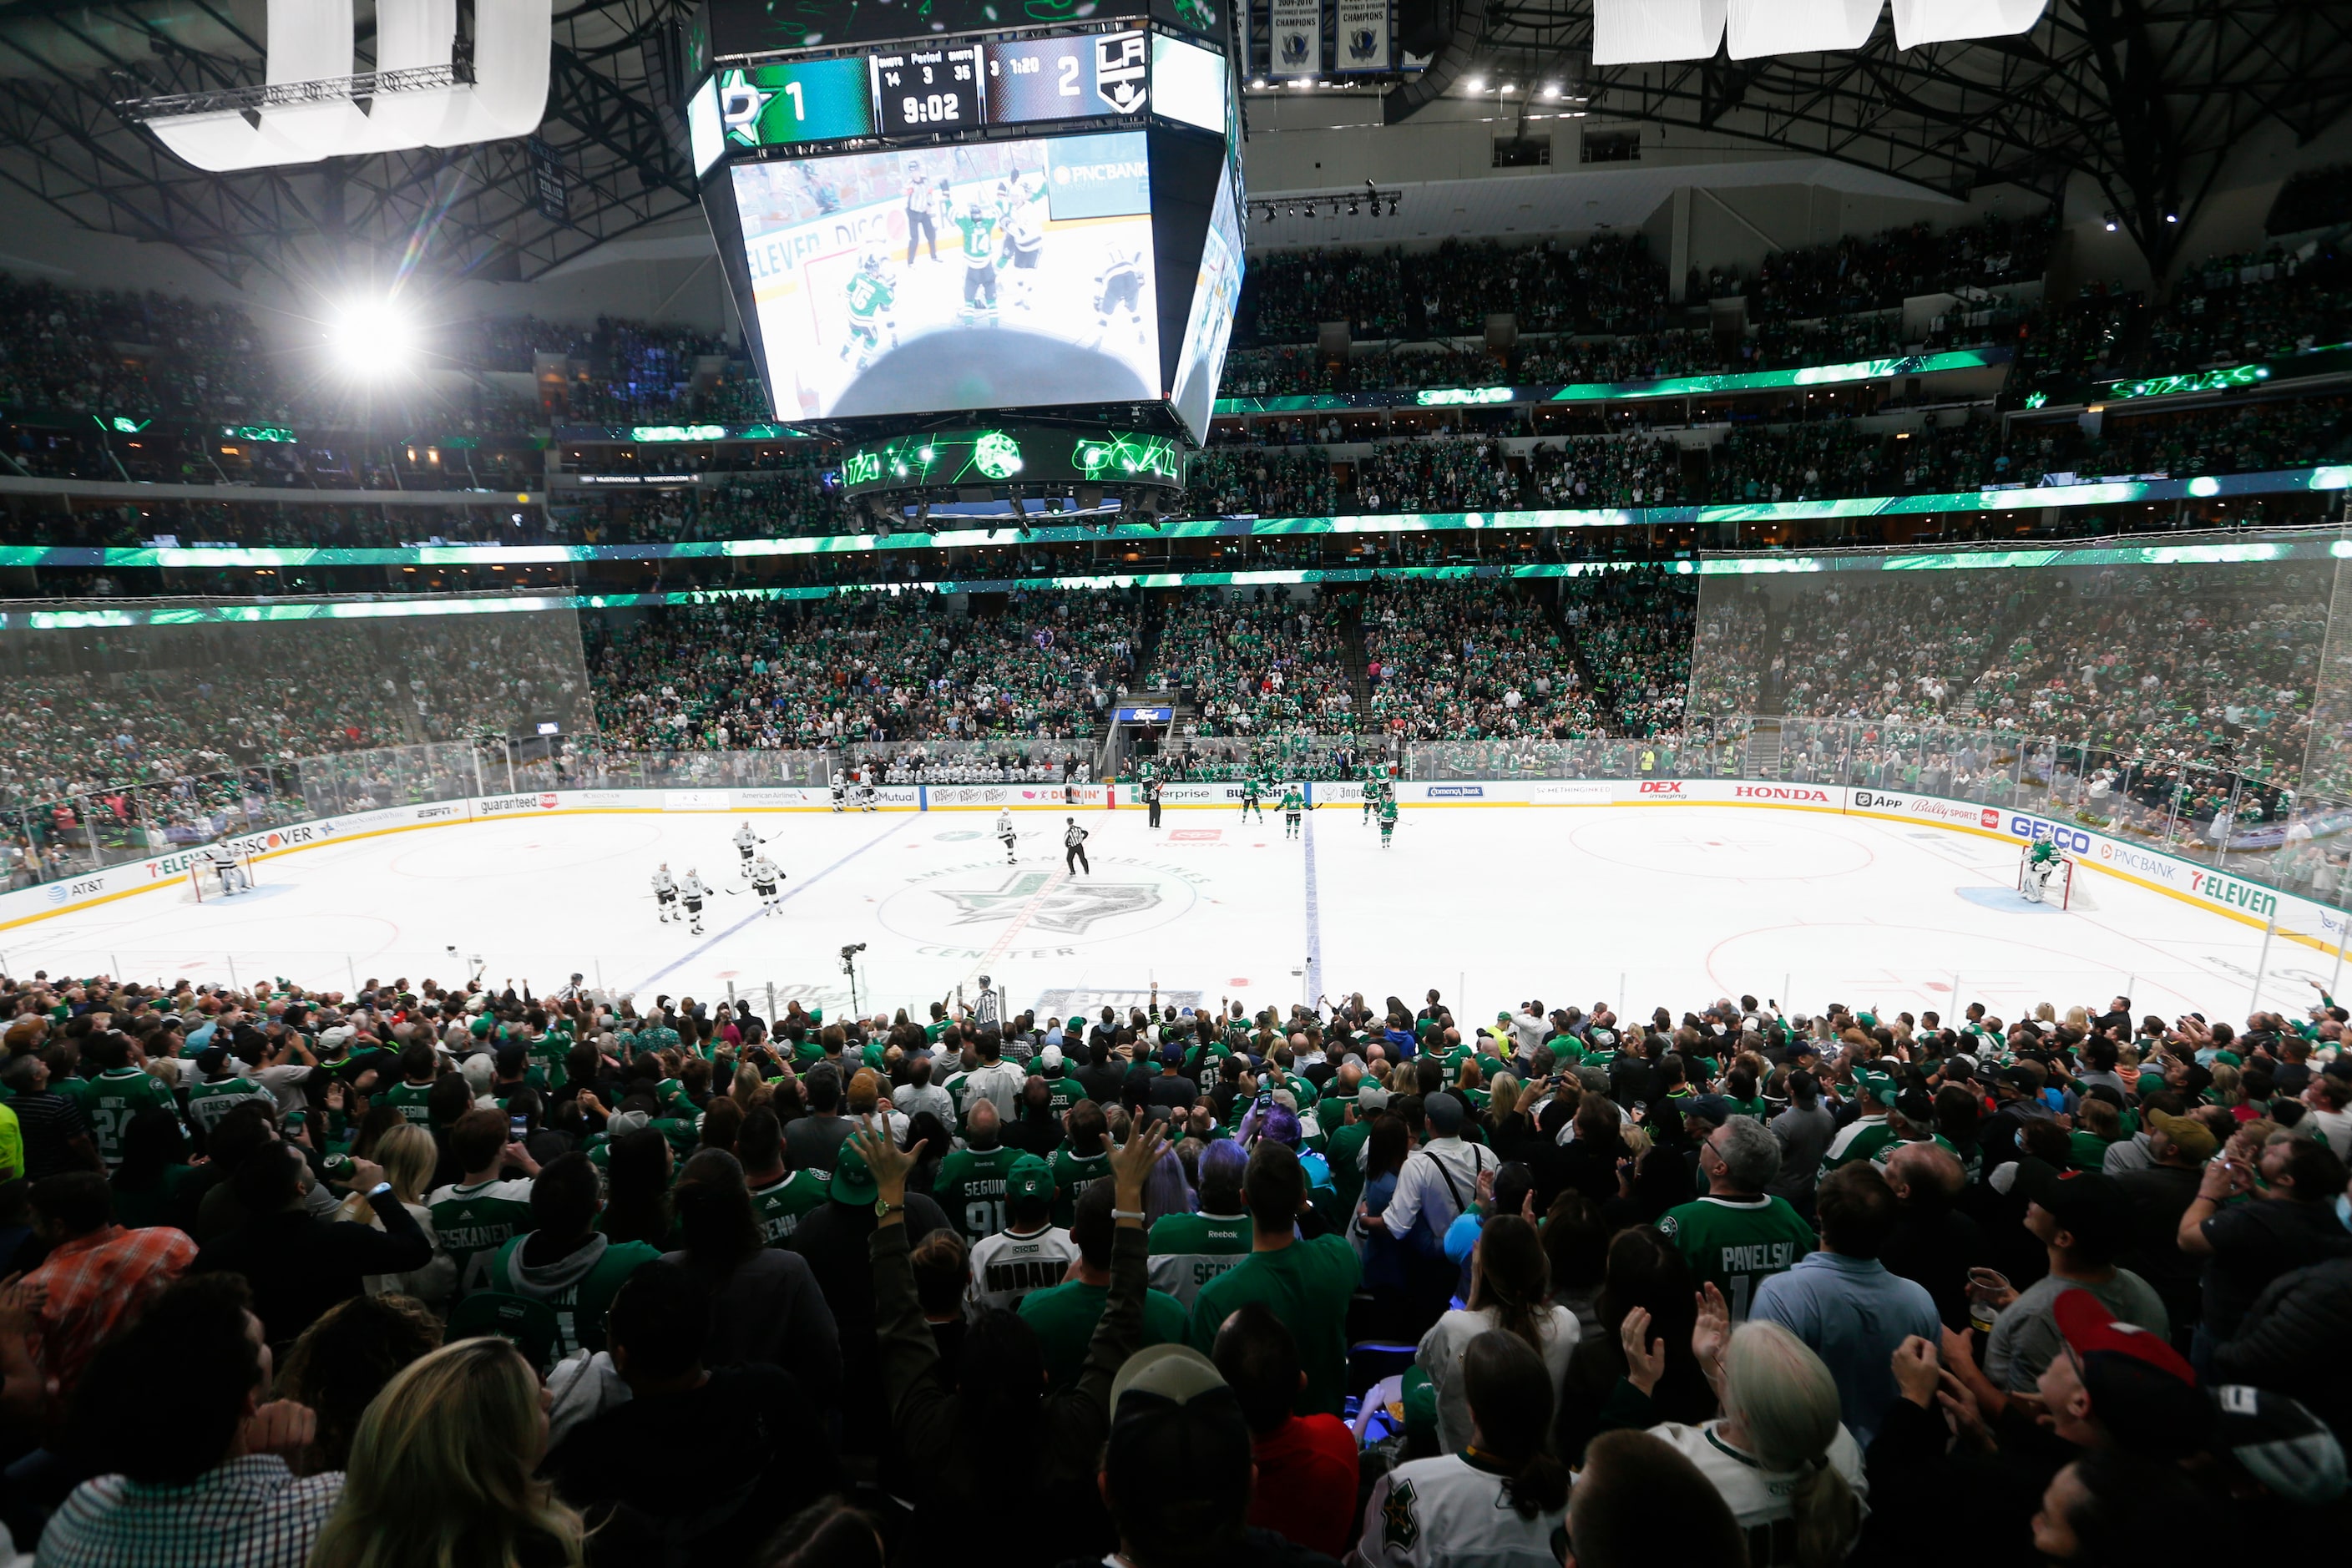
[[1209, 326], [986, 275]]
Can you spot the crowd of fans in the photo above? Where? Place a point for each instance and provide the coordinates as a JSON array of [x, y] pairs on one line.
[[425, 1275], [1475, 659], [1632, 631], [797, 674], [1607, 283], [1253, 667], [2219, 671]]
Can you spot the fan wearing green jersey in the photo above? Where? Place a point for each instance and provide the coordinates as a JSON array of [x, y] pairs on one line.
[[1083, 1159], [118, 1092], [970, 1185], [481, 1213], [1735, 1238], [564, 1263], [214, 1098], [1188, 1250], [419, 1064]]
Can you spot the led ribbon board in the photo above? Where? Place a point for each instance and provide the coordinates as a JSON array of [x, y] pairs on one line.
[[1009, 457]]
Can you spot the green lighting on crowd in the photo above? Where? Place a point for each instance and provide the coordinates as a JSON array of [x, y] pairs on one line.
[[277, 434]]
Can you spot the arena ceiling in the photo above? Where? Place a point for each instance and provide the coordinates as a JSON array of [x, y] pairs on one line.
[[2144, 97]]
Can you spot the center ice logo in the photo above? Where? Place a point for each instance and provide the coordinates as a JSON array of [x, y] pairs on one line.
[[1072, 909]]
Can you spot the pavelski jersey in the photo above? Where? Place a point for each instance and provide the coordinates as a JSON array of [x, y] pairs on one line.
[[663, 882], [1008, 1266], [473, 1221], [869, 296], [970, 1186], [781, 1206], [1188, 1250], [1738, 1243], [1447, 1510]]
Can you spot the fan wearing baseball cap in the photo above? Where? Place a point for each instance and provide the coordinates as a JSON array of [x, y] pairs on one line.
[[2084, 1221]]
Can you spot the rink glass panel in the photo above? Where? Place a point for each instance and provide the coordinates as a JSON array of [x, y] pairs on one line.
[[129, 741]]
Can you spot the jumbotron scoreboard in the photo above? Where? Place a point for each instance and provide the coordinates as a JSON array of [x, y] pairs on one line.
[[953, 216]]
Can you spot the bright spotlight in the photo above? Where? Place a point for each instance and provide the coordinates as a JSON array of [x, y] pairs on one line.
[[372, 338], [1475, 84]]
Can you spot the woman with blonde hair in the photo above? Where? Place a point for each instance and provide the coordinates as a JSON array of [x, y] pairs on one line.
[[441, 1472], [407, 1154], [1778, 1453]]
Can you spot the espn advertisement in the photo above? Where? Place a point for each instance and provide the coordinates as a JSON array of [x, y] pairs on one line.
[[980, 275]]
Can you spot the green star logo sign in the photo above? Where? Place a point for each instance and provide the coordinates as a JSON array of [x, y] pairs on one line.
[[996, 455]]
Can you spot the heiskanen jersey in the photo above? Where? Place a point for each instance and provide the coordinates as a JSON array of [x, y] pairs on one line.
[[1008, 1266], [475, 1219], [780, 1207], [1188, 1250], [1738, 1243]]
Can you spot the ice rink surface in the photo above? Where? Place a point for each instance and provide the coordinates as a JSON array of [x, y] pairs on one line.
[[1636, 905]]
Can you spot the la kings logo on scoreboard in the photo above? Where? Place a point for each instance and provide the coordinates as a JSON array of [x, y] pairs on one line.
[[1120, 64]]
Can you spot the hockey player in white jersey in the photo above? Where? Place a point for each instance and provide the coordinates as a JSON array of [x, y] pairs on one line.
[[226, 867], [1005, 834], [866, 787], [764, 878], [840, 789], [746, 843], [666, 893], [691, 891]]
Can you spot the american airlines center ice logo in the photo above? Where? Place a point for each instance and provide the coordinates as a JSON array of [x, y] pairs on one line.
[[313, 105], [1072, 908], [984, 903]]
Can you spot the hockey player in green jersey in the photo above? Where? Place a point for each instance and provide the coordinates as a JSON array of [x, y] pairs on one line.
[[1293, 801], [2041, 865], [979, 228], [871, 295], [1253, 794], [1388, 816]]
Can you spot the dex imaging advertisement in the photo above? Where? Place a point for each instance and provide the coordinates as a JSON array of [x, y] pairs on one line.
[[1216, 293], [987, 274]]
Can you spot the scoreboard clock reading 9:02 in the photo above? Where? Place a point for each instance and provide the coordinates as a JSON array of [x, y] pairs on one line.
[[927, 90]]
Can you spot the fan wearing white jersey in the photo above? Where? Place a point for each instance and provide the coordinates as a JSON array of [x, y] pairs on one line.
[[666, 893], [1005, 834], [746, 842], [692, 892], [1031, 1253], [764, 878]]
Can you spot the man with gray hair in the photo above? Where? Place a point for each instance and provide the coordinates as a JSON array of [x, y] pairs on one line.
[[1735, 1238]]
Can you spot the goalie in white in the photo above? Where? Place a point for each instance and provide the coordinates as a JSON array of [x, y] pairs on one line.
[[227, 868], [2041, 865], [764, 878], [692, 892], [666, 893]]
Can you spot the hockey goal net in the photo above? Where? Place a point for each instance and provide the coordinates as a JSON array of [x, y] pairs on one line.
[[2059, 891], [205, 877]]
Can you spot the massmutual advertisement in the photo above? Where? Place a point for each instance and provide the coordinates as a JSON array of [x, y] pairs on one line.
[[983, 274]]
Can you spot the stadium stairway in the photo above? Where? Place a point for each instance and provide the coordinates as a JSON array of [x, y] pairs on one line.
[[1360, 676], [1556, 613]]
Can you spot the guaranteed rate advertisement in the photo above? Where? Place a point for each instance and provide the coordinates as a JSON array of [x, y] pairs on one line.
[[985, 275], [1216, 293]]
